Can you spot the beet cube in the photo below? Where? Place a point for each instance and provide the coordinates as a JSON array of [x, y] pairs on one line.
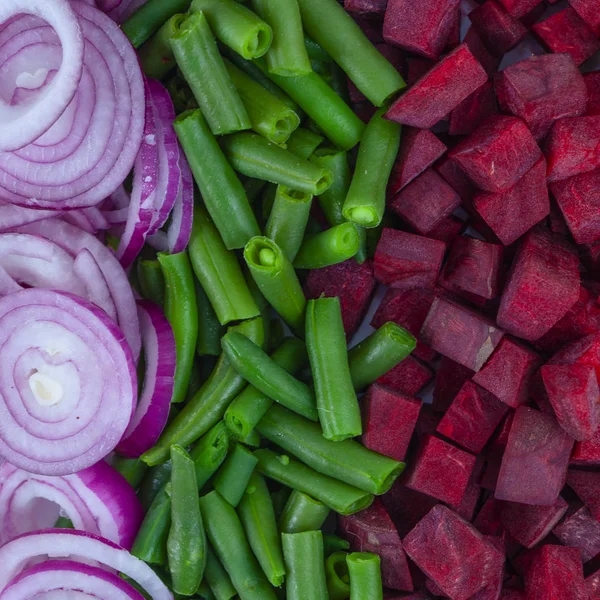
[[418, 151], [498, 444], [366, 7], [534, 465], [499, 31], [586, 484], [453, 554], [542, 89], [488, 519], [370, 27], [479, 50], [592, 585], [530, 524], [580, 530], [493, 589], [474, 110], [416, 68], [555, 572], [448, 229], [405, 261], [466, 509], [440, 470], [424, 202], [519, 8], [408, 377], [588, 11], [513, 595], [440, 90], [585, 351], [460, 334], [449, 379], [351, 282], [587, 453], [372, 530], [422, 28], [456, 177], [406, 507], [592, 82]]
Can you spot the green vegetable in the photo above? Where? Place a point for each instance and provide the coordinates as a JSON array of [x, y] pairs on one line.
[[332, 200], [233, 477], [364, 569], [332, 246], [210, 329], [156, 55], [302, 513], [304, 143], [305, 565], [217, 578], [133, 469], [151, 541], [333, 543], [151, 280], [336, 573]]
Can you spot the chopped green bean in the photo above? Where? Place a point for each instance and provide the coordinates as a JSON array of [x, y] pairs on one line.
[[333, 543], [210, 329], [205, 592], [152, 281], [315, 52], [253, 188], [209, 452], [304, 143], [338, 580], [252, 440], [302, 513], [155, 480], [217, 578], [305, 565], [364, 570], [276, 333], [233, 477], [332, 246], [151, 541], [156, 55], [332, 200], [132, 469]]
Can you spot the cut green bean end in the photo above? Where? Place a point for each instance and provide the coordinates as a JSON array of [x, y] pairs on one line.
[[262, 253], [258, 43], [364, 216], [284, 127], [324, 183], [348, 240]]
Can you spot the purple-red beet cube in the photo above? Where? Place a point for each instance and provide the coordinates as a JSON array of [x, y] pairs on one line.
[[479, 50], [448, 229], [592, 585], [493, 589], [589, 11], [449, 379], [416, 68], [592, 82], [466, 509], [500, 31], [488, 520], [586, 484], [587, 454], [456, 177], [519, 8], [406, 507], [585, 351], [366, 7], [474, 110], [580, 530], [408, 377]]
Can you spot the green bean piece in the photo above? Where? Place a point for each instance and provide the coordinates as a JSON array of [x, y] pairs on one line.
[[288, 219], [180, 310], [287, 55], [338, 495], [337, 403], [180, 93], [268, 199], [156, 55], [210, 329], [262, 372], [252, 440], [276, 333], [335, 31], [217, 578], [347, 460], [219, 272], [304, 143], [277, 280], [333, 543], [330, 247], [208, 406], [151, 280], [253, 188], [205, 592], [305, 565], [280, 498], [258, 519], [154, 481], [233, 477], [209, 452], [151, 541], [378, 353], [230, 544], [302, 513], [148, 19], [132, 469], [364, 570], [336, 573], [63, 523], [236, 26], [332, 200], [186, 544], [315, 52], [269, 116], [252, 155], [199, 375], [249, 407], [365, 202], [362, 253]]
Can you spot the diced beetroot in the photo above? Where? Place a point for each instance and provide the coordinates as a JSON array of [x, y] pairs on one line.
[[424, 202], [542, 285], [592, 585], [488, 519], [592, 82], [585, 351], [434, 589], [588, 11], [534, 465], [489, 481], [453, 554], [440, 470], [479, 50], [474, 110], [370, 27], [408, 377], [508, 372], [351, 282], [586, 484], [513, 595], [498, 444], [533, 16], [421, 28], [455, 176], [448, 229], [449, 379], [499, 31], [406, 507], [519, 8], [454, 35], [426, 424], [557, 221], [460, 334], [372, 530], [472, 417], [542, 89], [573, 393], [587, 454], [366, 7], [416, 68], [466, 509], [389, 421], [405, 261], [580, 530], [497, 154], [567, 32], [440, 90], [529, 524], [555, 572], [493, 589], [418, 151]]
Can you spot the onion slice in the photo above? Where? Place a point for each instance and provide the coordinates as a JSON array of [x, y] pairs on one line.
[[89, 272]]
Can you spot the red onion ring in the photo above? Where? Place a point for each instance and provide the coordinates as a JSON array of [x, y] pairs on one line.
[[90, 274], [97, 500], [12, 216], [7, 284], [68, 384]]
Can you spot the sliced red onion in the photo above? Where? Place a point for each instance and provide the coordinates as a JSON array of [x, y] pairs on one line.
[[117, 216], [68, 383], [123, 9], [153, 406], [79, 219], [12, 216], [7, 284], [90, 274], [18, 554], [97, 500]]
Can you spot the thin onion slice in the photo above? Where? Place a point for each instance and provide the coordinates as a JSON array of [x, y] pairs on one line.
[[12, 216], [89, 272]]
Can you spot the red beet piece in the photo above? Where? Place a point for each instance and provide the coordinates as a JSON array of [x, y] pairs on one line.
[[499, 31], [455, 176], [529, 524], [440, 90], [408, 377], [460, 334], [366, 7], [573, 393], [448, 229], [351, 282], [440, 470], [370, 27], [592, 82], [424, 202], [580, 530], [449, 379], [416, 68], [406, 507], [474, 110], [534, 465], [592, 585], [498, 444], [372, 530], [508, 372], [586, 484], [519, 8], [542, 89], [493, 589], [479, 50], [555, 572], [587, 454], [585, 351], [405, 261], [533, 16], [488, 519], [542, 285], [567, 32], [422, 28], [418, 151], [497, 154], [453, 554], [588, 10], [454, 36], [513, 595], [466, 509]]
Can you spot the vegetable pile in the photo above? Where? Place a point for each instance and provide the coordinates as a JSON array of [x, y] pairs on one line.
[[200, 202]]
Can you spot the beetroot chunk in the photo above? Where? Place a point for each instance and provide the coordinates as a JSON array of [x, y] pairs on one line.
[[519, 8], [440, 90], [580, 530], [366, 7], [479, 50], [499, 31], [405, 261], [587, 453], [592, 585], [448, 229], [417, 67], [453, 554], [406, 507], [422, 28], [488, 519], [424, 202], [567, 32], [592, 82], [408, 377], [541, 90], [588, 11], [460, 334], [474, 110], [449, 379], [534, 465], [456, 177], [542, 285], [586, 485]]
